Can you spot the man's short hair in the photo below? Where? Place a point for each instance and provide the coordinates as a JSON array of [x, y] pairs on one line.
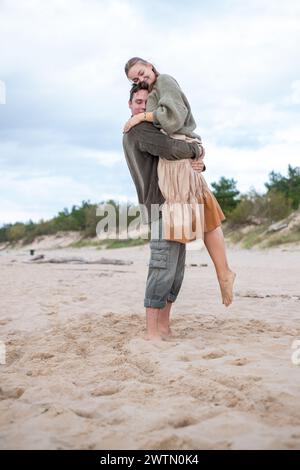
[[137, 87]]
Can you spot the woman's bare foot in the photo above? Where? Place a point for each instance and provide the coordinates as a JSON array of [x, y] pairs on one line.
[[226, 286]]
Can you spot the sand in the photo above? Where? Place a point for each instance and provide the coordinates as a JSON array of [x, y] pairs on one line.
[[78, 374]]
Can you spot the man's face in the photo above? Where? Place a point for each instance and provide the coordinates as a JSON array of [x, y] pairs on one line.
[[139, 101]]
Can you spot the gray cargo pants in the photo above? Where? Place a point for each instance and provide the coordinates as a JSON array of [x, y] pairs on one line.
[[166, 269]]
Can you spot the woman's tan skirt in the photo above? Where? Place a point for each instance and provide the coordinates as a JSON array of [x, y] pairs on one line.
[[190, 208], [213, 214]]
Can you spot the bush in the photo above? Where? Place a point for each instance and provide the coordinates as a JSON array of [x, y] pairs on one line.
[[256, 208], [16, 232], [242, 212], [288, 186], [226, 194]]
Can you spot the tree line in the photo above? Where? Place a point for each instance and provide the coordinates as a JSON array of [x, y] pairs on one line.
[[282, 196]]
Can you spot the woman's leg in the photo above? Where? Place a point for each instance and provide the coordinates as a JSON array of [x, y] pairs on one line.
[[215, 244]]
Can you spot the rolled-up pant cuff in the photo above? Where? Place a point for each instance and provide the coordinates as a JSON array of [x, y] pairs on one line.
[[172, 298], [150, 303]]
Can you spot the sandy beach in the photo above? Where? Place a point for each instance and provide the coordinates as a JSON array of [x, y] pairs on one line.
[[79, 375]]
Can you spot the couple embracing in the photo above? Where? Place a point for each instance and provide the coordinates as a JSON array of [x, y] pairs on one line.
[[165, 159]]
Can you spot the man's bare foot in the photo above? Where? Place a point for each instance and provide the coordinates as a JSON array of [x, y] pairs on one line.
[[226, 286], [165, 333], [149, 337]]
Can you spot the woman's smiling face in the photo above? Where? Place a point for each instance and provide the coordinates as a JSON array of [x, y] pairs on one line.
[[141, 73]]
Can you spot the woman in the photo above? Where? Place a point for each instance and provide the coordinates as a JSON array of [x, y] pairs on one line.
[[169, 109]]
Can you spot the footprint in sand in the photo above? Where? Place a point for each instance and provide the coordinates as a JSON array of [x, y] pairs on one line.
[[140, 345], [13, 356], [105, 391], [182, 422], [4, 321], [86, 414], [42, 355], [214, 355], [144, 366], [14, 393], [241, 361], [184, 359], [169, 442]]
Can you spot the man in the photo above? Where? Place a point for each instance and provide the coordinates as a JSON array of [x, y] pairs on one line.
[[143, 145]]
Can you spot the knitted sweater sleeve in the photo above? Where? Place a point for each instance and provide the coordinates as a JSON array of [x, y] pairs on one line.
[[171, 111]]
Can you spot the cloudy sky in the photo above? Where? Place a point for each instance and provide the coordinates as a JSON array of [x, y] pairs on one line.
[[61, 68]]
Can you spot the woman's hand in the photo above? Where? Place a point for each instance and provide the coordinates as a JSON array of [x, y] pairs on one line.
[[133, 121]]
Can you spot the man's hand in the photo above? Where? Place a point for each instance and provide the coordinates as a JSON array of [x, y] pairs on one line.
[[133, 121], [202, 151], [197, 165]]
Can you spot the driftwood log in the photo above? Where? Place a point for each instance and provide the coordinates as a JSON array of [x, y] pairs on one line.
[[41, 259]]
